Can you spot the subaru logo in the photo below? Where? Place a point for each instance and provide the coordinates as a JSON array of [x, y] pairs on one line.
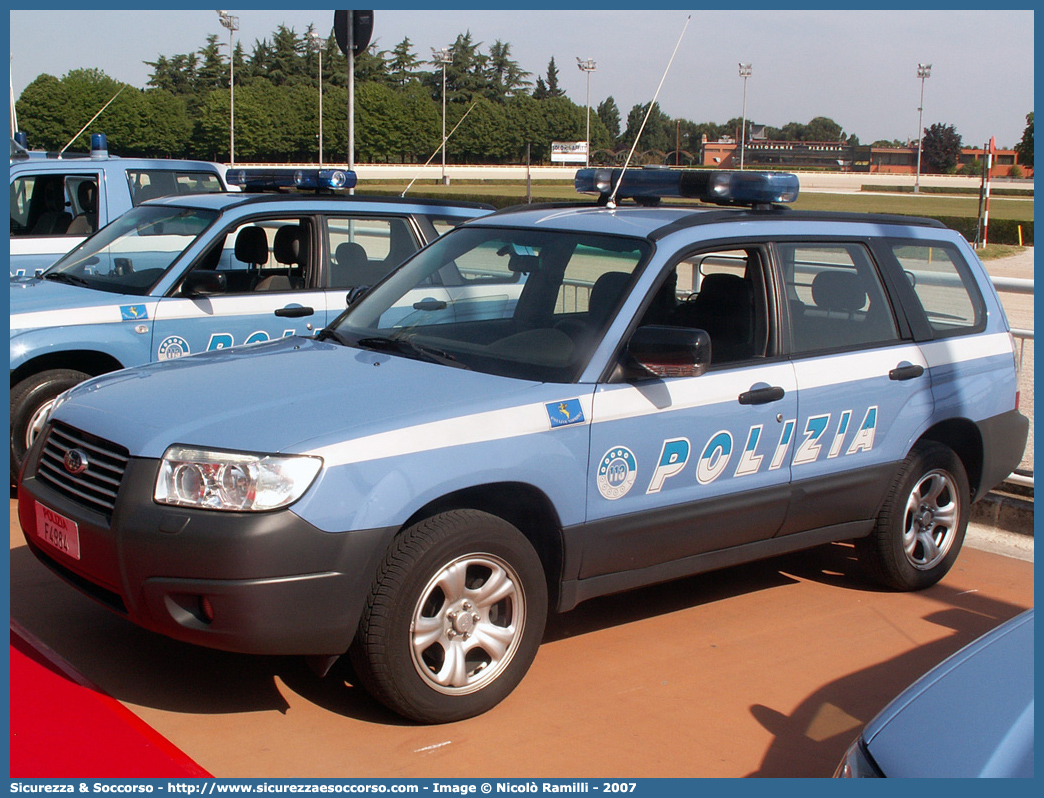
[[75, 461]]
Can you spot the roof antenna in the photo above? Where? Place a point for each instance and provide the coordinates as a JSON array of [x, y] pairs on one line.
[[403, 194], [611, 203], [78, 132]]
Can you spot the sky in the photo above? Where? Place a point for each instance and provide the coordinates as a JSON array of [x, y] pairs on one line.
[[858, 68]]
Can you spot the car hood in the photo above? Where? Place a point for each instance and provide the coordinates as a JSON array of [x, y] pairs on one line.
[[58, 300], [971, 716], [290, 395]]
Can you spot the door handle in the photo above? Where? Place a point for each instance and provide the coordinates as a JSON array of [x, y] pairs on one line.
[[294, 312], [905, 371], [761, 396]]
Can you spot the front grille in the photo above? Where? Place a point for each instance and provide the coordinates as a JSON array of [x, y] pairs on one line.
[[97, 486]]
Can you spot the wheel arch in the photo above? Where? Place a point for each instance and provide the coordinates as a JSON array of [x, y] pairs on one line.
[[964, 438], [522, 505], [88, 361]]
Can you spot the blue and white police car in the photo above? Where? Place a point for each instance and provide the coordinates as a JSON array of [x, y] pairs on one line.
[[192, 273], [670, 389], [57, 201]]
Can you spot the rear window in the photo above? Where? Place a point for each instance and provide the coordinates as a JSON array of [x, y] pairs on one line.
[[945, 287]]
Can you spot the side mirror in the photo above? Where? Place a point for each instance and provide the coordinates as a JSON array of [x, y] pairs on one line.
[[355, 293], [203, 282], [657, 351]]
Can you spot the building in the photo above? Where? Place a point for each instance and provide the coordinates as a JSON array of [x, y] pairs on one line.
[[840, 156]]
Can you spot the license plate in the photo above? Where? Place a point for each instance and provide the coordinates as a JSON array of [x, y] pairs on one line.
[[57, 531]]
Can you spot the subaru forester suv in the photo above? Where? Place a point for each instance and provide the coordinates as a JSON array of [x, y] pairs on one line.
[[645, 392]]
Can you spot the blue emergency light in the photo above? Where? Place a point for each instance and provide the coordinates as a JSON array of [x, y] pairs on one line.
[[251, 179], [717, 187]]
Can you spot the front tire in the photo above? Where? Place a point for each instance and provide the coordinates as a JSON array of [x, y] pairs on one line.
[[922, 524], [454, 618], [31, 400]]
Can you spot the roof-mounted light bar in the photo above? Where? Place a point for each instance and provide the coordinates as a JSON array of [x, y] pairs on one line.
[[718, 187], [281, 179]]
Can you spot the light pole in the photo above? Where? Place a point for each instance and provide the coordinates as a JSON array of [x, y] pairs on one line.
[[443, 56], [587, 66], [744, 72], [924, 71], [317, 40], [232, 23]]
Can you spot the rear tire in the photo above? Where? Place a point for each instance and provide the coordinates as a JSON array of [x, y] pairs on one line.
[[922, 524], [31, 399], [454, 618]]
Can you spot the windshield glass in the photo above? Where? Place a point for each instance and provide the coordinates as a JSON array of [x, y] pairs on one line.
[[130, 255], [518, 303]]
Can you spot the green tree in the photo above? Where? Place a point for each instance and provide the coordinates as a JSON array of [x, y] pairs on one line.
[[609, 114], [658, 134], [403, 63], [212, 72], [940, 149], [1025, 147]]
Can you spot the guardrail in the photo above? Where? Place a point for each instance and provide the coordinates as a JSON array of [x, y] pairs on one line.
[[1018, 285]]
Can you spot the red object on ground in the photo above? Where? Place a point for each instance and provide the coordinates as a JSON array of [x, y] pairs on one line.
[[62, 726]]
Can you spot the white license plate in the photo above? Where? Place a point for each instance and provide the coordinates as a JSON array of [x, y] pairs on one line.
[[57, 531]]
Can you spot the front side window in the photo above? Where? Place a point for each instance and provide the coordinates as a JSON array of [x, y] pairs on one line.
[[519, 303], [262, 255], [130, 255], [944, 286], [835, 297], [54, 205]]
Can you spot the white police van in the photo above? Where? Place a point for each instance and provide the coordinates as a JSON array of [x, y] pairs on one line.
[[202, 272], [57, 201], [672, 390]]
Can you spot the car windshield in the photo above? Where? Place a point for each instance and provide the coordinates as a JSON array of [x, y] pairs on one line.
[[130, 255], [518, 303]]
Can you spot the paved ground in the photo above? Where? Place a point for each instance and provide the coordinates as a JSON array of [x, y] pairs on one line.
[[768, 669]]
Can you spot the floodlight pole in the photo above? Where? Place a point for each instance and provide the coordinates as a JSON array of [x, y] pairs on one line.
[[232, 23], [318, 42], [924, 71], [587, 66], [444, 57], [744, 72]]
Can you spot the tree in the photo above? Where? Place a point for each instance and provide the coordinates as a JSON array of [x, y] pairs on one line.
[[610, 116], [658, 133], [403, 63], [1025, 147], [940, 149]]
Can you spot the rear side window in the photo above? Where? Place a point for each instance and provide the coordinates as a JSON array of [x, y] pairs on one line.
[[146, 184], [945, 287], [835, 297]]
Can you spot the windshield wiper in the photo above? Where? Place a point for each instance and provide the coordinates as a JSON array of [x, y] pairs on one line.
[[64, 277], [326, 333], [410, 348]]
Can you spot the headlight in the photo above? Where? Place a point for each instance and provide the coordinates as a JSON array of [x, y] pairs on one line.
[[857, 764], [214, 480]]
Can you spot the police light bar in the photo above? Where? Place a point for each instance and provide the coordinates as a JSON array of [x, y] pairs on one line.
[[281, 179], [717, 187]]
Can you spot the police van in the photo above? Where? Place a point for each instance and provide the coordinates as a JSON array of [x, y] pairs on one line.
[[197, 272], [57, 201], [672, 389]]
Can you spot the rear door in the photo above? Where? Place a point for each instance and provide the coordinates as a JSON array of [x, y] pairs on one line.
[[864, 388]]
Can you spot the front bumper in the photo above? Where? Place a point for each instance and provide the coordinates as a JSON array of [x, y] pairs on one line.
[[257, 583]]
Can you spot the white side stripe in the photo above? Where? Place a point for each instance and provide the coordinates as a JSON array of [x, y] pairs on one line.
[[101, 314], [495, 425]]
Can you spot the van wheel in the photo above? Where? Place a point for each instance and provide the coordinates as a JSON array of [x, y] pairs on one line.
[[454, 618], [922, 524], [31, 401]]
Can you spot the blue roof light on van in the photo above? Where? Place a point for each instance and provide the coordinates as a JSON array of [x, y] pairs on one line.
[[717, 187]]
